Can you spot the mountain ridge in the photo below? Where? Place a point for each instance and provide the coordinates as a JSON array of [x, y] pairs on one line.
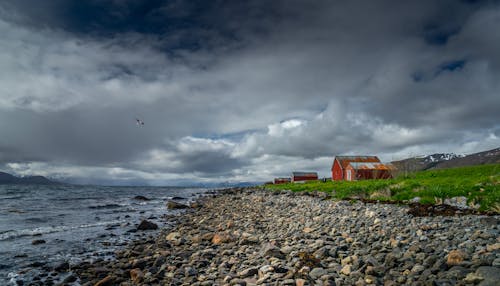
[[447, 160], [9, 179]]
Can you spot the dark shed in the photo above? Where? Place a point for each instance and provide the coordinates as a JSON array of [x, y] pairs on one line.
[[304, 176]]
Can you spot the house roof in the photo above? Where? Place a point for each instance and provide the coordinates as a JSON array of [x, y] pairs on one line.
[[306, 174], [371, 166], [345, 160]]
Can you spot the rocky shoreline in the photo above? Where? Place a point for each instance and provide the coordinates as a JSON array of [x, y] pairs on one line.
[[257, 237]]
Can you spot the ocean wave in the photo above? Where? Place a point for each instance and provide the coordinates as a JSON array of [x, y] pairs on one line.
[[13, 234], [78, 198], [36, 219], [11, 197]]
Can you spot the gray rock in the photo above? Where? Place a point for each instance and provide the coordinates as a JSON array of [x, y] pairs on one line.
[[272, 251], [248, 272], [317, 273], [490, 275]]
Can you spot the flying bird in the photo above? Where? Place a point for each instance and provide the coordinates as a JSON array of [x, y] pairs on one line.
[[139, 122]]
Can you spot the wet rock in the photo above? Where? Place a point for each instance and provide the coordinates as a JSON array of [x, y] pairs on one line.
[[70, 279], [172, 205], [147, 225], [141, 198], [62, 267], [38, 241]]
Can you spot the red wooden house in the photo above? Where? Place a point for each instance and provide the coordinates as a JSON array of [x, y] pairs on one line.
[[351, 168], [282, 180], [304, 176]]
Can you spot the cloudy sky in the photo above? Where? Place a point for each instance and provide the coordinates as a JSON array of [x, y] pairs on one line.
[[241, 90]]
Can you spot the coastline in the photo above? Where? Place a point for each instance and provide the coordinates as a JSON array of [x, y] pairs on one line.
[[246, 236]]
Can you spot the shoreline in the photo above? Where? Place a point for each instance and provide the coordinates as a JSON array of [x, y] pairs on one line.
[[248, 236]]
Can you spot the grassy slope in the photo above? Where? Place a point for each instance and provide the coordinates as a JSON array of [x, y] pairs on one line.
[[480, 184]]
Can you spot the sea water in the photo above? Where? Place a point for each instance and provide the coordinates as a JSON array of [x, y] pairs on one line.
[[76, 223]]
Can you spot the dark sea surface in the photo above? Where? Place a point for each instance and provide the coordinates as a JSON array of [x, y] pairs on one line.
[[77, 223]]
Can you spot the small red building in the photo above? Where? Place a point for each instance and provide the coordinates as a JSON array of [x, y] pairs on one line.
[[282, 180], [304, 176], [351, 168]]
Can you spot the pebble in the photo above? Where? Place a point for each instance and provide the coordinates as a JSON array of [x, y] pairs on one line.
[[260, 237]]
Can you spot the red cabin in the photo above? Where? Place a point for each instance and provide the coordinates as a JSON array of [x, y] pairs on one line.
[[282, 180], [349, 168], [304, 176]]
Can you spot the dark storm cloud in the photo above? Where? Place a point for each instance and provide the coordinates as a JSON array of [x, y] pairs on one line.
[[231, 89]]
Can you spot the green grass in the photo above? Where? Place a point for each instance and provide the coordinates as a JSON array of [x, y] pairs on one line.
[[480, 184]]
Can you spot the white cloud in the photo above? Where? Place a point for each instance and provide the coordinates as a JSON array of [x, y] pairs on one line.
[[333, 79]]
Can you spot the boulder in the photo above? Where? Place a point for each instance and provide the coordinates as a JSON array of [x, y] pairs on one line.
[[172, 205], [146, 225], [141, 198], [490, 275]]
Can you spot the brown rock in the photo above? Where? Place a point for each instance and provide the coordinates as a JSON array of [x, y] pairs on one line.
[[106, 281], [346, 270], [455, 257], [493, 247], [300, 282], [173, 236], [207, 236], [308, 230], [136, 275], [220, 238]]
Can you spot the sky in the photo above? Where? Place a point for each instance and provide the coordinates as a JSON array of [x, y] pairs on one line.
[[233, 91]]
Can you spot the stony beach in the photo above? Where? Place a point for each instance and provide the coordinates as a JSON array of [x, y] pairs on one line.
[[258, 237]]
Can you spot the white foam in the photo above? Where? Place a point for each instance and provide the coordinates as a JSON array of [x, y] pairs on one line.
[[51, 229]]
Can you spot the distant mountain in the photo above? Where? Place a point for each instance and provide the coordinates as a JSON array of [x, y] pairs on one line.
[[6, 178], [447, 160], [225, 184], [481, 158]]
